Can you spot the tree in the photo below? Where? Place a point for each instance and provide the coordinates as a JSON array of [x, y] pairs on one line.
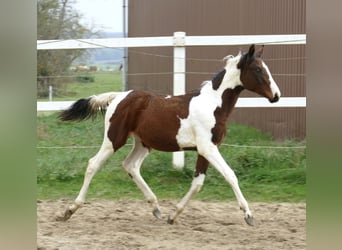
[[56, 19]]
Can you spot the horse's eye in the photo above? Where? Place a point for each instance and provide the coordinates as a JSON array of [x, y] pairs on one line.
[[258, 70]]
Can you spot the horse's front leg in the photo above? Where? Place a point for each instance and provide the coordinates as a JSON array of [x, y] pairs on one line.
[[213, 155], [196, 185]]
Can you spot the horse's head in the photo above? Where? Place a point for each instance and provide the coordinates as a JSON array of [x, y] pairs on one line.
[[255, 75]]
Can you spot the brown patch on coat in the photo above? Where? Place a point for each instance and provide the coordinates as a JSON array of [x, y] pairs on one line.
[[229, 98], [153, 118], [201, 165]]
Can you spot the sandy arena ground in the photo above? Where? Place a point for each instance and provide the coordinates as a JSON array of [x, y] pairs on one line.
[[105, 224]]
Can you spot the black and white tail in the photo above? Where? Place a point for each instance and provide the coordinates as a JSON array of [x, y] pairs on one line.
[[88, 108]]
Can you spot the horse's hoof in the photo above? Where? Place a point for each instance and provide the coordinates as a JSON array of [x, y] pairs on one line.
[[157, 214], [249, 220], [170, 221], [67, 214]]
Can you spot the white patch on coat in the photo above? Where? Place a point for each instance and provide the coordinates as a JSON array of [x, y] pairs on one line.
[[232, 77], [201, 118], [185, 136], [195, 130]]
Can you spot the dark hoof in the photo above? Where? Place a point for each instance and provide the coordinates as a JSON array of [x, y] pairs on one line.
[[249, 220], [157, 213], [65, 217], [169, 221]]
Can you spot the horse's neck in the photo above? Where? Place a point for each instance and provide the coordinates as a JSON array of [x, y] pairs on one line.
[[228, 86], [229, 98]]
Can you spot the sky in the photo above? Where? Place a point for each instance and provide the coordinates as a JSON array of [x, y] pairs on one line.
[[102, 14]]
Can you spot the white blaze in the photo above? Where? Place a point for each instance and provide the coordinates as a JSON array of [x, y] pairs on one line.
[[274, 86]]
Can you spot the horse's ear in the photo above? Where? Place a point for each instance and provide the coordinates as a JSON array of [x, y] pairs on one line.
[[251, 51], [260, 51]]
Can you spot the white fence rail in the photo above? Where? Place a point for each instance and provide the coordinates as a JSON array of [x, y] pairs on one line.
[[246, 102], [179, 41], [170, 41]]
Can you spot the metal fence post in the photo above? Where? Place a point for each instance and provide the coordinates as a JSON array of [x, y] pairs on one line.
[[178, 83]]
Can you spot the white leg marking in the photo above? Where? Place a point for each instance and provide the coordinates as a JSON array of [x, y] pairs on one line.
[[132, 165], [94, 165], [196, 186]]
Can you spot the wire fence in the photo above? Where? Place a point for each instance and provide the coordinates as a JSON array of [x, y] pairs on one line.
[[171, 57], [165, 73]]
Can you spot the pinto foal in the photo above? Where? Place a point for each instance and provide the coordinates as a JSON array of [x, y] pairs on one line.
[[194, 121]]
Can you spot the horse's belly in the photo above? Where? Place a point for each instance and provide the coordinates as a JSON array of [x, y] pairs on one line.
[[160, 143], [157, 137]]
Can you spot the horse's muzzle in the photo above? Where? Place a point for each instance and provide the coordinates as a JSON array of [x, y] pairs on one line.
[[275, 98]]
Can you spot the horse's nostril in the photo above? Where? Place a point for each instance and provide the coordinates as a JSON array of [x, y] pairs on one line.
[[275, 98]]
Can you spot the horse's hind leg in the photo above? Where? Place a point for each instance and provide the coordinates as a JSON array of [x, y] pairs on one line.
[[132, 165], [94, 165]]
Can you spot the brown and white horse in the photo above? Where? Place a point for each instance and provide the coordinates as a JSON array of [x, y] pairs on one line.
[[194, 121]]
